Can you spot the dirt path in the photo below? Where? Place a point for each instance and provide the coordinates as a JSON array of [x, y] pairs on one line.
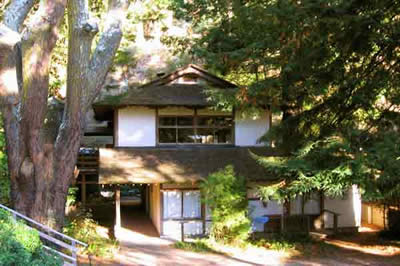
[[140, 245]]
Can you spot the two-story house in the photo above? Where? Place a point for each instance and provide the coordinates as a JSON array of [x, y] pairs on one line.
[[167, 135]]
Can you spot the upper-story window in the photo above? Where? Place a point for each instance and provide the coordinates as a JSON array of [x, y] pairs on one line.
[[195, 129]]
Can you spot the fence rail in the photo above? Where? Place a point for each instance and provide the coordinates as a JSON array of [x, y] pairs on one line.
[[63, 245]]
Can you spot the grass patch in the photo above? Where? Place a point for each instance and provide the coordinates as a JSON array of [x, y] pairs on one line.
[[200, 245], [283, 242]]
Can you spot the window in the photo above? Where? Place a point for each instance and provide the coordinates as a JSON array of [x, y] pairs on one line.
[[194, 129], [173, 201]]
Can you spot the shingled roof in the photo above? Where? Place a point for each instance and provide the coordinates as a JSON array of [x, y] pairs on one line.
[[165, 92], [179, 165], [164, 95]]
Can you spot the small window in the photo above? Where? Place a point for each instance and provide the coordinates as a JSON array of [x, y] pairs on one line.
[[191, 129], [173, 208]]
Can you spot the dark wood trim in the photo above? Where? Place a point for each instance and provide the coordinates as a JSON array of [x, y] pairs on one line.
[[182, 206], [203, 216], [233, 126], [117, 207], [321, 202], [157, 134], [183, 219], [88, 182], [179, 189], [115, 138], [195, 125]]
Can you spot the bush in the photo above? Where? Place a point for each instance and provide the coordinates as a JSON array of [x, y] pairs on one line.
[[225, 194], [82, 227], [20, 245], [199, 245], [283, 242]]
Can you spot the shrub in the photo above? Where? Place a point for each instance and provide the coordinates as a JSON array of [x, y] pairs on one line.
[[82, 227], [20, 245], [283, 242], [225, 194], [199, 245]]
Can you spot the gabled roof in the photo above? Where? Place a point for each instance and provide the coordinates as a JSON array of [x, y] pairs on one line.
[[191, 69], [165, 92]]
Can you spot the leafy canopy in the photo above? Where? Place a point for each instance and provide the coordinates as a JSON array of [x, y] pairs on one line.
[[329, 68]]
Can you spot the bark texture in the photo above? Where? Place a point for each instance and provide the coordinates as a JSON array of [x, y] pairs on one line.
[[41, 167]]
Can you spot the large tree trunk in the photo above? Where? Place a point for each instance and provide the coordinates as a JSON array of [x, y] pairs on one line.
[[41, 164]]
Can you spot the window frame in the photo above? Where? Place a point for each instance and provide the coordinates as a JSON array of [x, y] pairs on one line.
[[195, 128]]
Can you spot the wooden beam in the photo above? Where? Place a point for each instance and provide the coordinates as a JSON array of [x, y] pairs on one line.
[[118, 207]]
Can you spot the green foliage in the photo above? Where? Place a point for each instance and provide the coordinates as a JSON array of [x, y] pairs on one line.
[[200, 245], [329, 68], [20, 245], [4, 180], [71, 197], [225, 194], [283, 242], [82, 227]]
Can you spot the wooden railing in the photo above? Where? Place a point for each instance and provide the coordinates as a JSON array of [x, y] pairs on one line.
[[66, 247]]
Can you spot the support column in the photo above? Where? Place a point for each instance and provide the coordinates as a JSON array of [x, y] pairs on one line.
[[117, 227]]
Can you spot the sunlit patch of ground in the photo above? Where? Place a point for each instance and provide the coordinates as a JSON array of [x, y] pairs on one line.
[[143, 247]]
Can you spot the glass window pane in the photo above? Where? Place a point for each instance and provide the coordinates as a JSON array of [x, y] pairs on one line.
[[223, 135], [193, 228], [167, 121], [223, 121], [185, 121], [206, 121], [186, 135], [172, 204], [167, 135], [205, 135], [191, 204]]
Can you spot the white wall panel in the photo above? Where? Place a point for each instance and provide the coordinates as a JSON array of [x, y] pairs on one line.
[[257, 209], [310, 207], [349, 208], [249, 129], [136, 127]]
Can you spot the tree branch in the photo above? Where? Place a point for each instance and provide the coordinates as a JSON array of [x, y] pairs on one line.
[[8, 75], [37, 45], [102, 57], [16, 12], [81, 30]]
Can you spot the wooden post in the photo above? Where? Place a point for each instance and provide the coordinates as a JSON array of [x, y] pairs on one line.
[[322, 208], [182, 231], [335, 223], [117, 208], [83, 190]]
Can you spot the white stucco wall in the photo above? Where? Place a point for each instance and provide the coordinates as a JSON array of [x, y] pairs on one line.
[[136, 127], [249, 129], [311, 206], [349, 208]]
